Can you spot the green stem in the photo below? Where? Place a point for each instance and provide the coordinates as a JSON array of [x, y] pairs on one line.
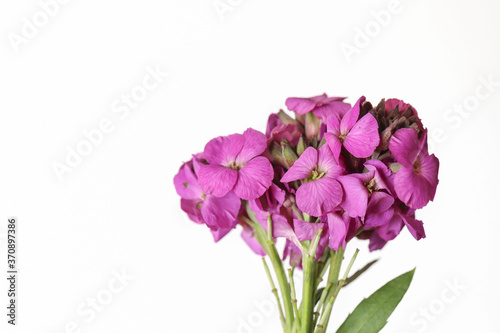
[[275, 292], [309, 286], [323, 324], [261, 235], [294, 297], [308, 291]]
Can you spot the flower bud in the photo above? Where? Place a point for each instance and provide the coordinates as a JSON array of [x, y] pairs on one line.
[[313, 126], [289, 154], [301, 146]]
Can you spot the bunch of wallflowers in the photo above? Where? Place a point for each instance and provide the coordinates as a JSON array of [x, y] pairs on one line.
[[331, 173]]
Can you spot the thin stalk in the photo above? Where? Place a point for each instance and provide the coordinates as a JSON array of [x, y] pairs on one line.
[[271, 251], [309, 286], [323, 324], [275, 292], [294, 297]]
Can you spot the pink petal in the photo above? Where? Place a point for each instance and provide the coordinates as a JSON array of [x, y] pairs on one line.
[[223, 149], [363, 137], [337, 227], [217, 180], [186, 183], [382, 175], [390, 230], [404, 146], [337, 108], [219, 234], [192, 209], [300, 105], [255, 144], [351, 117], [379, 202], [319, 197], [334, 144], [254, 179], [302, 167], [378, 219], [252, 242], [411, 188], [281, 227], [333, 125], [221, 212], [416, 227], [429, 170], [376, 242], [355, 195], [327, 163], [291, 250], [306, 230]]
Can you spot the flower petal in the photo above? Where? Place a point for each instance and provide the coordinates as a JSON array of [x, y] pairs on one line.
[[255, 144], [411, 188], [220, 233], [221, 212], [334, 144], [186, 183], [337, 227], [363, 137], [376, 242], [306, 230], [217, 180], [223, 149], [320, 196], [192, 209], [254, 179], [416, 227], [355, 195], [404, 146], [429, 170], [302, 167], [351, 117], [300, 105], [327, 163], [252, 242]]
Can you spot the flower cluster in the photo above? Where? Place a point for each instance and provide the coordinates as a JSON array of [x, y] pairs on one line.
[[332, 170]]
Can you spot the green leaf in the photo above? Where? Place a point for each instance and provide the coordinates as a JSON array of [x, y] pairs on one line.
[[371, 315], [358, 273]]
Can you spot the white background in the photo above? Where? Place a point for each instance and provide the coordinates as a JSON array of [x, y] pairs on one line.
[[118, 209]]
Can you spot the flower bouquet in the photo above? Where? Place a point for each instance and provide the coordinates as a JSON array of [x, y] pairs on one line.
[[331, 173]]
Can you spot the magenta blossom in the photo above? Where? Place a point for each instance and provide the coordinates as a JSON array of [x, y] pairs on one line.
[[367, 192], [320, 192], [321, 106], [235, 165], [416, 182], [359, 137], [219, 214], [400, 217]]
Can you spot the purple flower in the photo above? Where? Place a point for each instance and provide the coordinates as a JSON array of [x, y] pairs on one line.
[[249, 237], [321, 106], [235, 165], [416, 182], [401, 216], [320, 192], [219, 214], [277, 130], [365, 193], [359, 137]]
